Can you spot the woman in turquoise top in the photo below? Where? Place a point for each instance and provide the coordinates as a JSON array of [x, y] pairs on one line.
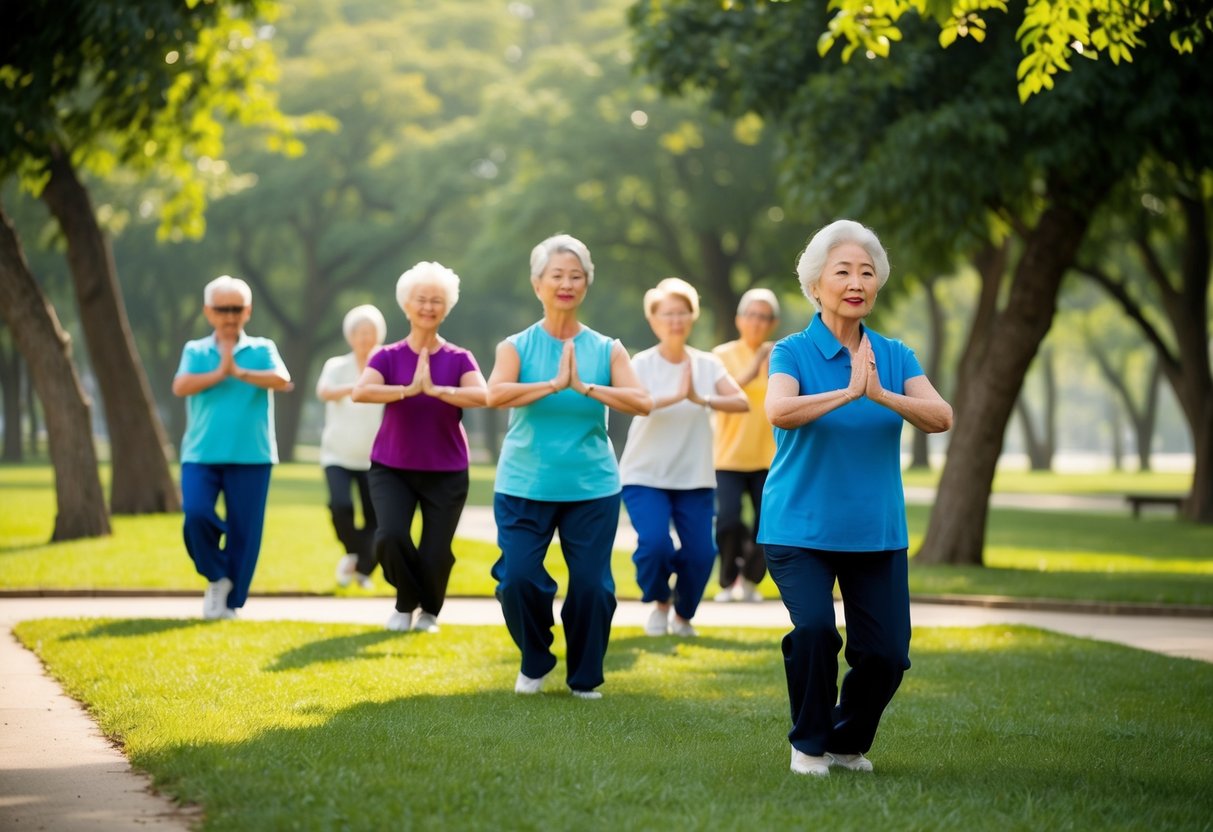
[[833, 507], [557, 470]]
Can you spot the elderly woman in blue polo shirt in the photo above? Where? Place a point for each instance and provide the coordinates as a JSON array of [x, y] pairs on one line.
[[833, 505], [557, 471], [227, 379]]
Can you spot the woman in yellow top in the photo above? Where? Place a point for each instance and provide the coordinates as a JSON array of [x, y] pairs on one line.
[[744, 447]]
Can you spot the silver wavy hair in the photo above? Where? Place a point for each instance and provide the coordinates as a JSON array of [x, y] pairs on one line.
[[812, 260]]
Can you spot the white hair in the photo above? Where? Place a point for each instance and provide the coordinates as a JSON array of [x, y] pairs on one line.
[[812, 260], [428, 273], [542, 253], [758, 295], [364, 314], [671, 287], [227, 283]]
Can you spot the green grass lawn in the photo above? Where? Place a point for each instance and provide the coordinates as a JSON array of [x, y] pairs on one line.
[[314, 726], [1107, 557]]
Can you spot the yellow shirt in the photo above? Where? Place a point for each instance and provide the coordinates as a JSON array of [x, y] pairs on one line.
[[743, 441]]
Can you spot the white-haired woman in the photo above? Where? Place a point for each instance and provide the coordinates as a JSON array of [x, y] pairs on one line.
[[345, 443], [666, 468], [228, 379], [557, 471], [833, 506], [420, 454], [744, 448]]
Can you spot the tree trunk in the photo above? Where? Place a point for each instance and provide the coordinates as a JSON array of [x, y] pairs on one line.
[[1040, 445], [10, 379], [141, 480], [1118, 444], [46, 347], [716, 284], [31, 406], [992, 376]]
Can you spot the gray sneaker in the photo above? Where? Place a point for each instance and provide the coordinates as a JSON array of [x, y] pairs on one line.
[[851, 762], [214, 600], [808, 764], [425, 623]]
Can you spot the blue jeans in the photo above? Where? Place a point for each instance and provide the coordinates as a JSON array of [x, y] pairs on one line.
[[526, 590], [876, 603], [656, 559], [245, 489]]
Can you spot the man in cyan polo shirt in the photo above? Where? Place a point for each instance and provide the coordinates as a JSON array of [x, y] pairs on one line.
[[229, 447]]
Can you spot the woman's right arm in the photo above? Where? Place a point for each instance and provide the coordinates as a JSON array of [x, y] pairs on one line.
[[327, 392], [370, 388], [787, 409], [505, 390]]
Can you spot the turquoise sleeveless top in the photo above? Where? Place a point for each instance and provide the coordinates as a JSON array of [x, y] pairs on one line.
[[557, 449]]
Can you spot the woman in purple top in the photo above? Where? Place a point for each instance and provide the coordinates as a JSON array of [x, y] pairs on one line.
[[420, 455]]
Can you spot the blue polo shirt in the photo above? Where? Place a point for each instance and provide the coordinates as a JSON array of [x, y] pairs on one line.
[[557, 449], [835, 483], [232, 422]]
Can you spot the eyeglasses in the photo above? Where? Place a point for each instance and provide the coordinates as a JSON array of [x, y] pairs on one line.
[[758, 316], [673, 316], [227, 310]]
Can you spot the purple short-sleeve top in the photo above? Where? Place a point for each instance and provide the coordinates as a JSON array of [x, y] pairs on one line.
[[422, 433]]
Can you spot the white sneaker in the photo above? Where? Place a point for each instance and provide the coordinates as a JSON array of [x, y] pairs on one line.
[[425, 623], [851, 762], [363, 581], [228, 614], [525, 684], [724, 596], [748, 592], [658, 623], [585, 694], [214, 600], [345, 569], [808, 764], [400, 622], [681, 627]]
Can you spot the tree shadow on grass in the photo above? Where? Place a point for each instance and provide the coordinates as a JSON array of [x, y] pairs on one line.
[[134, 627], [336, 649]]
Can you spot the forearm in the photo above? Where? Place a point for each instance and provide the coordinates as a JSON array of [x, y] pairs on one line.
[[188, 384], [465, 397], [517, 393], [634, 401], [380, 393], [791, 412], [265, 379], [928, 415], [332, 394], [728, 402]]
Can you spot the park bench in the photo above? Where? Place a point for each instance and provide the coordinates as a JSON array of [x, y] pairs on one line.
[[1136, 501]]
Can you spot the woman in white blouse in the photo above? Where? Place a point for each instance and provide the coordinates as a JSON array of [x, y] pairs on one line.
[[666, 468]]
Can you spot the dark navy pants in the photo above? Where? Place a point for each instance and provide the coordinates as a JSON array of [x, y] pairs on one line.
[[355, 541], [526, 590], [876, 603], [651, 511], [244, 489]]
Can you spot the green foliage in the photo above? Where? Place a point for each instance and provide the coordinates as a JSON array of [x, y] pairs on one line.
[[325, 726], [1051, 33], [147, 87]]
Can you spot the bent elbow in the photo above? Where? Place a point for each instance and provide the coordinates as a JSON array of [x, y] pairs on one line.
[[493, 397], [358, 394]]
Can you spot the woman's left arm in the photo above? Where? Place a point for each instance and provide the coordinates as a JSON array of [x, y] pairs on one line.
[[471, 391], [625, 393], [728, 398], [920, 405]]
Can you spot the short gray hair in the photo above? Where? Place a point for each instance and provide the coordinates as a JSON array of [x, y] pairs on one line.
[[813, 259], [428, 273], [758, 295], [542, 253], [227, 283], [672, 287], [364, 314]]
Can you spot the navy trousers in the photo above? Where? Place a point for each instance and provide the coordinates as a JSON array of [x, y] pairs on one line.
[[526, 590], [876, 603], [651, 511], [739, 553], [244, 489], [356, 541]]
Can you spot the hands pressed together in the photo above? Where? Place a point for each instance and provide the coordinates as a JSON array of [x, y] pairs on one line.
[[865, 380]]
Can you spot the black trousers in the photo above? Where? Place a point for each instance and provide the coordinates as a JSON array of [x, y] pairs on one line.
[[419, 571], [357, 541], [739, 553]]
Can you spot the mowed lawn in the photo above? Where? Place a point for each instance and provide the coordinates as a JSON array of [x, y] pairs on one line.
[[1043, 554], [286, 725]]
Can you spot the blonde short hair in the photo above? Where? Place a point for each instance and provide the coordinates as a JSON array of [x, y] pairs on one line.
[[428, 273], [364, 314], [671, 287]]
